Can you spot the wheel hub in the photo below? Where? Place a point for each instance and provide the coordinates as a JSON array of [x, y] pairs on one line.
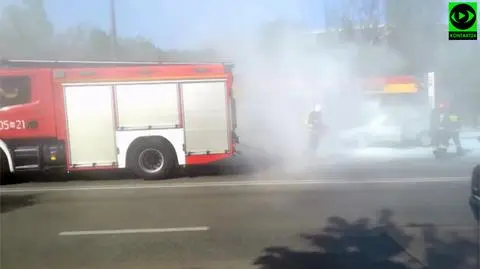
[[151, 160]]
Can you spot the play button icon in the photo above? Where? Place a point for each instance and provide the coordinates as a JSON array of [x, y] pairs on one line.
[[463, 16]]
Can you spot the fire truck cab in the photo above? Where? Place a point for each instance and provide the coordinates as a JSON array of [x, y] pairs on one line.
[[148, 117]]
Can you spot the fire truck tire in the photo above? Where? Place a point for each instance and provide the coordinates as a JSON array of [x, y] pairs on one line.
[[154, 159]]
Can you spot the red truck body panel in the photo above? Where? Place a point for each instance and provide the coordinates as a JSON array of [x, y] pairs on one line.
[[47, 105]]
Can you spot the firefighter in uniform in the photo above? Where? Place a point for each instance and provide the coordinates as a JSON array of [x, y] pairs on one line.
[[436, 131], [452, 127], [445, 125], [316, 129]]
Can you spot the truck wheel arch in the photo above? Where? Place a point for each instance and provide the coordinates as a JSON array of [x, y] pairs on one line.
[[4, 148], [144, 140]]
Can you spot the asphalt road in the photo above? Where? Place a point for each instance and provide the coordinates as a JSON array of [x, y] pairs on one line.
[[251, 214]]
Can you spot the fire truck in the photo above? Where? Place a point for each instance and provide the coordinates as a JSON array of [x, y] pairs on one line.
[[398, 110], [149, 117]]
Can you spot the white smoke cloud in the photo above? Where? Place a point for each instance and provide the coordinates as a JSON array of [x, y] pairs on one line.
[[277, 89], [278, 86]]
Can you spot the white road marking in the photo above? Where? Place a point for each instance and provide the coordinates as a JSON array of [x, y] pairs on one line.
[[136, 231], [326, 181]]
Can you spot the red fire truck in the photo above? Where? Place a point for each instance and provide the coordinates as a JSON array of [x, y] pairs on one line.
[[145, 116]]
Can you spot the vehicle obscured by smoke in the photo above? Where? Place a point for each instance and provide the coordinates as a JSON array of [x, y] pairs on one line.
[[281, 72], [278, 85]]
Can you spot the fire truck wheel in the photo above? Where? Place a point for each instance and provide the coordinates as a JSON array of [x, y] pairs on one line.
[[152, 160]]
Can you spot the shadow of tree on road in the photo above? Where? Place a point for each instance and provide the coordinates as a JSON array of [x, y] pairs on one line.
[[365, 245], [450, 253]]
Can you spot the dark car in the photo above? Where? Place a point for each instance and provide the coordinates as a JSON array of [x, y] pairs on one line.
[[475, 191]]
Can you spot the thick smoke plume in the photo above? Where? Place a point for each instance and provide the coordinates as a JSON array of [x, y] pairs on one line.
[[279, 79]]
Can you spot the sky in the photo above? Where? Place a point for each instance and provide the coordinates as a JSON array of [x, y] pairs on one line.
[[173, 24], [180, 23], [184, 24]]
